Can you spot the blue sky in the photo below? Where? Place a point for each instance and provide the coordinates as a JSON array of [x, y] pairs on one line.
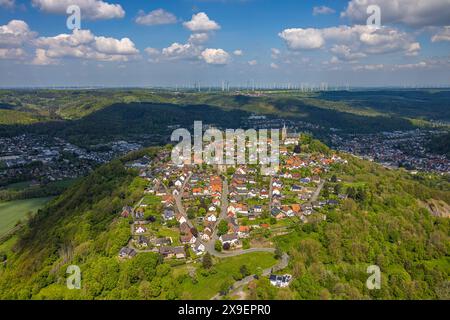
[[169, 42]]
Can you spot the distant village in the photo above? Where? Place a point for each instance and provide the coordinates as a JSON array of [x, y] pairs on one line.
[[45, 159], [407, 149]]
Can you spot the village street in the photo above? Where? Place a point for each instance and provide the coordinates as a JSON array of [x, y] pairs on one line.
[[317, 192]]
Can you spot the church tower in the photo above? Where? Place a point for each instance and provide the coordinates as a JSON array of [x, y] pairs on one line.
[[284, 133]]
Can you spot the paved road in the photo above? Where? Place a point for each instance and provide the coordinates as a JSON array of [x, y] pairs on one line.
[[270, 194], [239, 252], [223, 214], [317, 192], [210, 245]]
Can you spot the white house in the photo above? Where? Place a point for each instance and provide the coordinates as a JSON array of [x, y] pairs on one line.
[[199, 248], [231, 239], [178, 183], [140, 230], [181, 219]]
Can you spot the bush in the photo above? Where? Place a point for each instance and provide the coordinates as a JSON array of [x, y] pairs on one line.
[[218, 246]]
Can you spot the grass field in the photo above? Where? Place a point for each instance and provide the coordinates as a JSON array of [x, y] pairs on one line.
[[13, 211], [224, 269], [20, 186]]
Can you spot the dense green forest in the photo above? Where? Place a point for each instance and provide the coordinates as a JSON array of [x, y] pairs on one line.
[[381, 223], [401, 103], [80, 115], [129, 120], [440, 144]]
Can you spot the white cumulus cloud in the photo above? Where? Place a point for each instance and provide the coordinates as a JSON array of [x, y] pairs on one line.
[[415, 13], [14, 37], [90, 9], [351, 42], [152, 51], [12, 53], [15, 34], [83, 44], [298, 39], [181, 51], [198, 38], [215, 56], [323, 10], [442, 35], [156, 17], [200, 22]]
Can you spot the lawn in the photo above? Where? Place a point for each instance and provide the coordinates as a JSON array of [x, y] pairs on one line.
[[208, 286], [18, 186], [170, 233], [21, 186], [13, 211], [151, 200]]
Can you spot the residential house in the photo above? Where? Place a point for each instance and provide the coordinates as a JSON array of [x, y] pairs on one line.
[[305, 180], [280, 281], [179, 252], [198, 247], [207, 234], [140, 230], [127, 253], [139, 214], [170, 252], [168, 214], [127, 211], [211, 217], [264, 194], [243, 231], [257, 209], [231, 239], [307, 209], [181, 219], [188, 239], [143, 241], [184, 228], [159, 242]]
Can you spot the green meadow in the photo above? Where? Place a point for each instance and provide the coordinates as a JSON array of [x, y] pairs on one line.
[[209, 284], [13, 211]]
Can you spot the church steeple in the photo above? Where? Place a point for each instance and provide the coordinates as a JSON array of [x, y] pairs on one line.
[[284, 133]]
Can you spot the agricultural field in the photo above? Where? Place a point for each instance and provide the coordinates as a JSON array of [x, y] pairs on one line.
[[13, 211]]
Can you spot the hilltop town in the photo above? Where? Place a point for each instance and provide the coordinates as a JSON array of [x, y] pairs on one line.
[[190, 210]]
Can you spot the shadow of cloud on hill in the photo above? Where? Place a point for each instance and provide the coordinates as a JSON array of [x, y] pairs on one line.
[[122, 120]]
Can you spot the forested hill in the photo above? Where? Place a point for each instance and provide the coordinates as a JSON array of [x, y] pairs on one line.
[[80, 115], [386, 224], [441, 144]]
